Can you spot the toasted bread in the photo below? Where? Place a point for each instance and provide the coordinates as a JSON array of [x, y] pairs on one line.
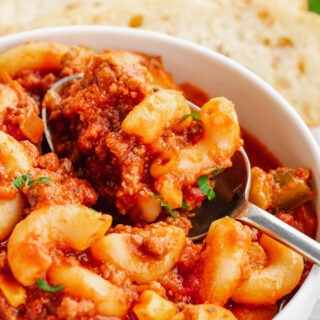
[[17, 13], [295, 5], [282, 46]]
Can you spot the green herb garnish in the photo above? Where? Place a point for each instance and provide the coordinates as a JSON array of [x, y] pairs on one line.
[[216, 171], [39, 180], [155, 196], [204, 183], [20, 181], [184, 205], [45, 286], [314, 6], [169, 209], [193, 115], [166, 206], [24, 181]]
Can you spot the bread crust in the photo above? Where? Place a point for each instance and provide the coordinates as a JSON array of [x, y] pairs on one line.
[[280, 45]]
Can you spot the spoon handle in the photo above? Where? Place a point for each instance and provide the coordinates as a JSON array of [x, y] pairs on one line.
[[279, 230]]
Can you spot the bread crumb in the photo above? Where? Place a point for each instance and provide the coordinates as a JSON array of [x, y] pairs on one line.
[[266, 42], [285, 41], [136, 21], [301, 66]]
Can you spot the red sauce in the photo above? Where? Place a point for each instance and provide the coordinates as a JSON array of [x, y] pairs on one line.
[[13, 130], [183, 282], [258, 154], [303, 218], [194, 94]]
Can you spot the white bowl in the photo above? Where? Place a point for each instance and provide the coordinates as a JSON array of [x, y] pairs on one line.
[[262, 111]]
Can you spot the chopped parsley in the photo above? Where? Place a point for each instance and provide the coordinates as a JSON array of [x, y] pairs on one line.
[[39, 180], [45, 286], [193, 115], [166, 206], [204, 183], [216, 171], [184, 205], [24, 181], [169, 209], [20, 181], [155, 196]]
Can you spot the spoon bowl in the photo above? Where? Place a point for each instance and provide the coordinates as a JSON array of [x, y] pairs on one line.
[[230, 186], [54, 92]]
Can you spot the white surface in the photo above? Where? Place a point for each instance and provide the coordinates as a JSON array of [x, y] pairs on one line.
[[316, 133], [261, 109]]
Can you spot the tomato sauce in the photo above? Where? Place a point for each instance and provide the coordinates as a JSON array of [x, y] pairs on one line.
[[101, 162], [258, 154], [303, 217]]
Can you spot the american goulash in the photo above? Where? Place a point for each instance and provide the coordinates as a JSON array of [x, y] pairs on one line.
[[99, 229]]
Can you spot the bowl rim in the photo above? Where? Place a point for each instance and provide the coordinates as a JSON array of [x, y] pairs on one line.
[[11, 40]]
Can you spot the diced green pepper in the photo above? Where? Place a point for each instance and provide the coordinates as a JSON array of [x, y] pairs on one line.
[[290, 188]]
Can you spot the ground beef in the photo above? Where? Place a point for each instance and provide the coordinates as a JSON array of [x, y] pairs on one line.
[[71, 309]]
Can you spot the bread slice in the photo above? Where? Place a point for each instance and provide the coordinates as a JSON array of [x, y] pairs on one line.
[[295, 5], [280, 45], [18, 12], [22, 12]]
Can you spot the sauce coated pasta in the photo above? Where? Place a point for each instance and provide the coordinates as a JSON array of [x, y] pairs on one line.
[[99, 228]]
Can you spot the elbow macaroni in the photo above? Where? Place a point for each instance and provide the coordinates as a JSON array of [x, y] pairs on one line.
[[157, 112], [32, 244], [12, 290], [8, 97], [13, 157], [83, 283], [14, 161], [227, 245], [281, 275], [11, 211], [151, 306], [220, 140], [33, 55], [150, 272], [120, 249]]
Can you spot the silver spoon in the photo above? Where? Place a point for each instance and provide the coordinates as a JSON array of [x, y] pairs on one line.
[[232, 191], [54, 93]]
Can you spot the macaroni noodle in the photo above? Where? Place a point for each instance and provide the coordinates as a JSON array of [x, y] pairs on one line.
[[127, 143]]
